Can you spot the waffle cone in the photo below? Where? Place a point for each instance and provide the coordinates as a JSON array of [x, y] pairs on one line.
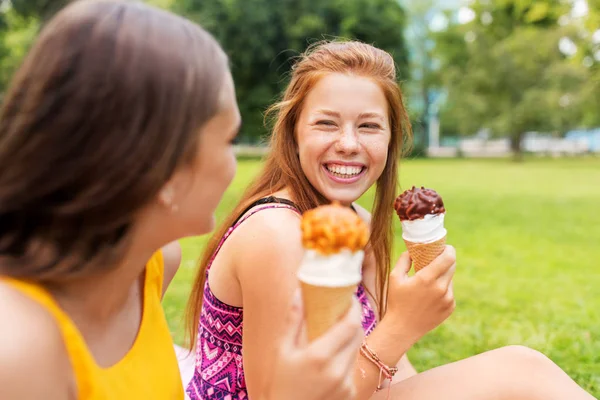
[[324, 306], [423, 254]]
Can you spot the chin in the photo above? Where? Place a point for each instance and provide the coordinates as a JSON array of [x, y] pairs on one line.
[[346, 194], [345, 198]]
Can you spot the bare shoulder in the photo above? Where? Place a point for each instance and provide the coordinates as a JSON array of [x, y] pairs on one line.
[[271, 236], [363, 213], [33, 359], [269, 228]]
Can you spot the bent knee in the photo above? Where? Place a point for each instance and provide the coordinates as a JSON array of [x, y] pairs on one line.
[[524, 356]]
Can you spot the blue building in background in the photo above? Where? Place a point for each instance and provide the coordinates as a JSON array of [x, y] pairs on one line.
[[590, 136]]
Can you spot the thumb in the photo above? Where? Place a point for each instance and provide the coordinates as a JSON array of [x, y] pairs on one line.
[[294, 323], [403, 265]]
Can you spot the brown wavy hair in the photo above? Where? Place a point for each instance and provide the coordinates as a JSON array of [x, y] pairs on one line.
[[106, 106], [282, 167]]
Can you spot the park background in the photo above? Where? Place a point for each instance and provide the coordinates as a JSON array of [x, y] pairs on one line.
[[504, 98]]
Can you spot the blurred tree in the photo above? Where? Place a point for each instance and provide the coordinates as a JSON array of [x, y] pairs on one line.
[[421, 88], [263, 36], [16, 34], [589, 56], [505, 70], [20, 21], [40, 9]]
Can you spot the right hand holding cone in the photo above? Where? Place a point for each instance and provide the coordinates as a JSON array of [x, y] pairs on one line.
[[419, 303], [319, 370]]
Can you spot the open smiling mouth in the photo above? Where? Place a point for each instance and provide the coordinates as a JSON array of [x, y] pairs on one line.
[[344, 173]]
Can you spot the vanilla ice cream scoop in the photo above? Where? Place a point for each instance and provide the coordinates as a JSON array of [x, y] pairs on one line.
[[334, 270], [428, 229], [334, 238]]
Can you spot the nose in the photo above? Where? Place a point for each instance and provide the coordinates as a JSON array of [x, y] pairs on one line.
[[347, 142]]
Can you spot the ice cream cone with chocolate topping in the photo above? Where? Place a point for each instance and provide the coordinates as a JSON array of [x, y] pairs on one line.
[[333, 237], [421, 212]]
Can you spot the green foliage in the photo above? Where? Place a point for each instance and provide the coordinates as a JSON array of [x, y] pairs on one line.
[[40, 9], [590, 53], [16, 35], [262, 38], [508, 74], [527, 259], [19, 24], [423, 80]]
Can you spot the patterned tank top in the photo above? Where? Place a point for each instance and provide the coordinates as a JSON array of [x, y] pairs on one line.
[[219, 372]]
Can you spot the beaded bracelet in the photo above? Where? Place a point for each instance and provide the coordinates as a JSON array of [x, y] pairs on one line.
[[385, 371]]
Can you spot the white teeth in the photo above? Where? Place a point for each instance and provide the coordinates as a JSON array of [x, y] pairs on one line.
[[346, 171]]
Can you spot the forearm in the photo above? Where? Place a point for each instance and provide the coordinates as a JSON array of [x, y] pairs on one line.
[[389, 345]]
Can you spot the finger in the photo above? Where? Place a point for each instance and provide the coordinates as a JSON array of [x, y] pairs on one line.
[[344, 360], [346, 390], [449, 297], [294, 323], [351, 391], [447, 277], [347, 357], [440, 265], [403, 265], [338, 386], [341, 334]]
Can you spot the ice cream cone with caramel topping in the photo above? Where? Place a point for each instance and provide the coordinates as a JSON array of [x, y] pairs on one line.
[[333, 237]]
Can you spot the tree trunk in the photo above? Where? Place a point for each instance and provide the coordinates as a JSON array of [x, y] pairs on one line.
[[515, 145]]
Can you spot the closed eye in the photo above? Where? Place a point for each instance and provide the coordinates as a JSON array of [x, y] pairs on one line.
[[325, 122], [370, 125]]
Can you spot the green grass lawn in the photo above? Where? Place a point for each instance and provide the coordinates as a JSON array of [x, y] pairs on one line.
[[528, 243]]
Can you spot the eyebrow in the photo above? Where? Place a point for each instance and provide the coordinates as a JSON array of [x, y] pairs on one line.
[[371, 115], [336, 114], [329, 112]]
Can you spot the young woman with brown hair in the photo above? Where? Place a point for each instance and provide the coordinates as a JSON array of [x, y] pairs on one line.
[[115, 140]]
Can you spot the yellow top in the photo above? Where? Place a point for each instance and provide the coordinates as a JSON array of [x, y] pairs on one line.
[[148, 371]]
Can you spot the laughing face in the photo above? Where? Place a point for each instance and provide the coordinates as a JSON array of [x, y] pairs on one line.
[[343, 136]]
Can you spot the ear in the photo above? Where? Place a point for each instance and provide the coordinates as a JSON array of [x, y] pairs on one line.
[[173, 192], [167, 197]]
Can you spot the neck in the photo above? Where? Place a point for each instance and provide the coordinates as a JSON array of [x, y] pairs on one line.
[[97, 298]]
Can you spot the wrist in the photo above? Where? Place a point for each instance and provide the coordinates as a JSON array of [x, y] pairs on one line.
[[399, 330], [391, 340]]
